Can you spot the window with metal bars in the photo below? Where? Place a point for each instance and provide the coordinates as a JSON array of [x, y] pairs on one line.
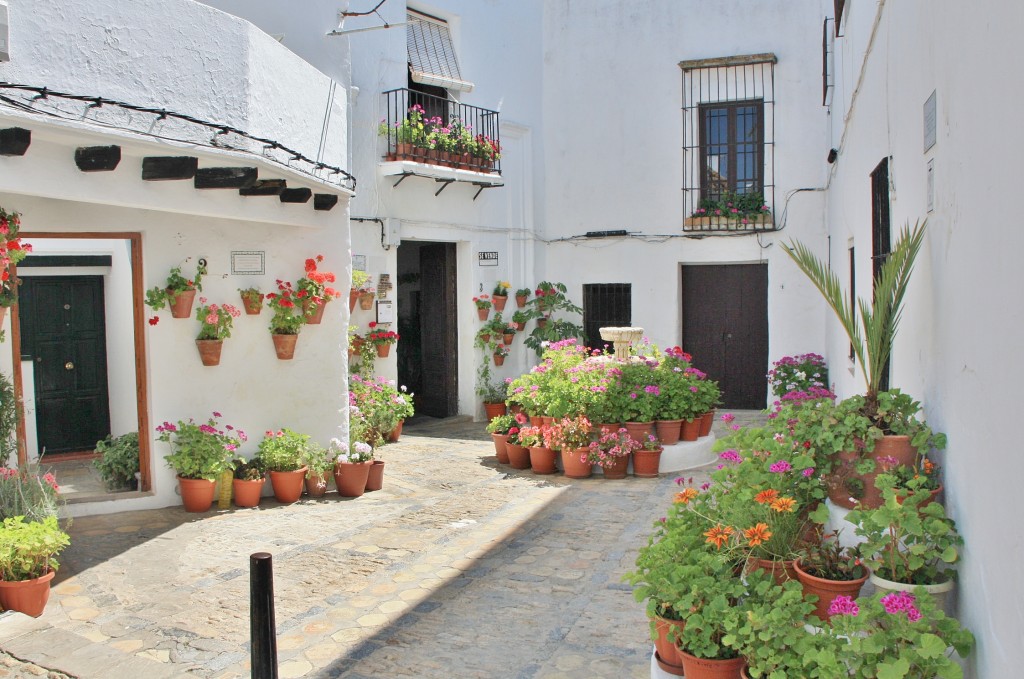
[[606, 305]]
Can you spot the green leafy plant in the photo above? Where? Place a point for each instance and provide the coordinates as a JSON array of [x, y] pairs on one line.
[[898, 635], [283, 450], [12, 251], [488, 389], [906, 540], [162, 297], [802, 372], [119, 459], [871, 328], [9, 413], [216, 320], [375, 407], [500, 289], [570, 433], [288, 317], [28, 549], [610, 447], [550, 301], [28, 492], [829, 559], [200, 451], [251, 295], [249, 470], [316, 458], [743, 207], [362, 281], [501, 424]]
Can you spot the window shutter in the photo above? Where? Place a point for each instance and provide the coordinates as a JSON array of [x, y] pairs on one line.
[[432, 58]]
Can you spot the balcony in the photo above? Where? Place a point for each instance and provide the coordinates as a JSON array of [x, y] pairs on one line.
[[429, 136]]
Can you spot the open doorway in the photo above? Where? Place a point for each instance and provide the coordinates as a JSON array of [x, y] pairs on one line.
[[428, 353], [79, 354]]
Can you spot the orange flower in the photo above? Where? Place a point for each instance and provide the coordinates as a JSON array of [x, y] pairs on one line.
[[758, 534], [718, 535], [766, 496], [685, 496], [929, 466], [783, 504]]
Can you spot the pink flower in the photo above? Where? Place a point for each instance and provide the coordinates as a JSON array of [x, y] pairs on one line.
[[843, 605], [807, 473], [731, 456], [728, 417], [780, 467]]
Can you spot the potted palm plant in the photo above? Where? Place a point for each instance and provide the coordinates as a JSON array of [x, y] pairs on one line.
[[281, 454]]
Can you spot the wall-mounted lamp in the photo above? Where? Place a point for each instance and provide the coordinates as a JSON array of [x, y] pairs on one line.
[[833, 155]]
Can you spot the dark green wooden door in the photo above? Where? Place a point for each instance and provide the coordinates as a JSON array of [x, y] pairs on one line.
[[63, 333], [439, 390]]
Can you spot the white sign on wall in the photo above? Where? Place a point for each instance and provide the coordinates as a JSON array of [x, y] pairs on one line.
[[487, 258], [247, 262]]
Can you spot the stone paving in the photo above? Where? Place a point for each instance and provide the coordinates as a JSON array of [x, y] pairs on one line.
[[459, 567]]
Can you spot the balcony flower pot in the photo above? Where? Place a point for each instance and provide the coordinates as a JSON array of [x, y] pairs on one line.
[[575, 463], [518, 456], [375, 477], [542, 460], [350, 477], [27, 596], [196, 494], [247, 493], [209, 351], [827, 590], [288, 485], [284, 346]]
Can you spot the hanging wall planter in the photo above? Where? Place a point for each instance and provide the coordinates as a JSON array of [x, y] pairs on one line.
[[284, 345], [209, 351]]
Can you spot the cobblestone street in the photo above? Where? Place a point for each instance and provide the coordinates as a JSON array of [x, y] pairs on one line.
[[457, 568]]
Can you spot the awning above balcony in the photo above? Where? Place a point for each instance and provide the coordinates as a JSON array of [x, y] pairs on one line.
[[432, 59]]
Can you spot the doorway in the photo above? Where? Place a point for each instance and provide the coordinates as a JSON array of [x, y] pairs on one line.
[[428, 352], [63, 334], [725, 328]]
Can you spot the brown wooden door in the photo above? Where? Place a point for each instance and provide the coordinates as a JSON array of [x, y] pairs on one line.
[[438, 341], [725, 328]]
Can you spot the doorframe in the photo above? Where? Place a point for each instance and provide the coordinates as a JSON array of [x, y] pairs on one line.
[[138, 317]]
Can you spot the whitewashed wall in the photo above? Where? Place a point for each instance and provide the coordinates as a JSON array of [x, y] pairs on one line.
[[197, 60], [959, 342]]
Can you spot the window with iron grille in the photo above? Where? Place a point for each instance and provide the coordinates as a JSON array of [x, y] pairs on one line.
[[729, 143], [606, 305]]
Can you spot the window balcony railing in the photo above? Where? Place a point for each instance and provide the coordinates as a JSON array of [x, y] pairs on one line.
[[422, 128]]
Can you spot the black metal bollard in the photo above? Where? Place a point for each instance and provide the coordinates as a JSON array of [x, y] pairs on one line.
[[262, 628]]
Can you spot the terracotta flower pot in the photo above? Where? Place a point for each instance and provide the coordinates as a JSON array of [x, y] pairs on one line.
[[366, 301], [546, 421], [26, 596], [247, 493], [499, 302], [667, 653], [646, 463], [933, 494], [536, 420], [196, 494], [519, 326], [690, 429], [710, 668], [482, 314], [542, 460], [209, 351], [499, 359], [706, 421], [668, 431], [314, 313], [518, 456], [500, 447], [396, 432], [639, 431], [350, 477], [896, 447], [521, 301], [181, 307], [316, 484], [508, 337], [575, 464], [253, 305], [607, 427], [383, 350], [780, 570], [494, 410], [827, 590], [353, 349], [375, 477], [353, 297], [617, 470], [284, 346], [288, 485]]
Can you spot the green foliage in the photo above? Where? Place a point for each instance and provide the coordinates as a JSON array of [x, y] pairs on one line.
[[200, 451], [29, 493], [912, 641], [362, 281], [905, 541], [162, 297], [28, 549], [8, 419], [501, 424], [376, 406], [490, 390], [827, 558], [879, 320], [217, 320], [249, 470], [316, 458], [288, 317], [733, 206], [119, 459], [283, 450], [551, 300]]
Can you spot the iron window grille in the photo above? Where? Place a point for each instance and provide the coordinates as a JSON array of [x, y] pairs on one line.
[[729, 140], [606, 305]]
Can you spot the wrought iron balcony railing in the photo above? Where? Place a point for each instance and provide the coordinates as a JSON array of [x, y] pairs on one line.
[[433, 130]]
